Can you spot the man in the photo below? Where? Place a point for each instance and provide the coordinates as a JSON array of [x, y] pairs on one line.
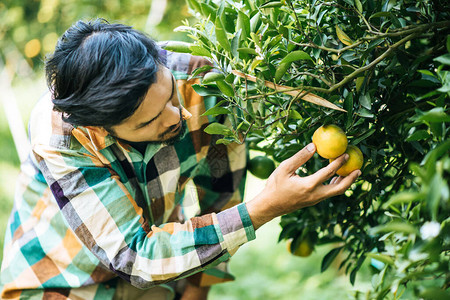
[[96, 213]]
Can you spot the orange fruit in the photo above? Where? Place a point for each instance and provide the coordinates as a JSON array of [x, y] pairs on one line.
[[354, 162], [330, 141], [261, 166], [304, 249]]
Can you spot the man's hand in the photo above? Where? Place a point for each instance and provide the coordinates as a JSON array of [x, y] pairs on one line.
[[285, 191]]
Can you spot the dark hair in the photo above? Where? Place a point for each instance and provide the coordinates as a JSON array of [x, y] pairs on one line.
[[100, 72]]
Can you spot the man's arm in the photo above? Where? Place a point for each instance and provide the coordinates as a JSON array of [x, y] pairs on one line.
[[106, 217]]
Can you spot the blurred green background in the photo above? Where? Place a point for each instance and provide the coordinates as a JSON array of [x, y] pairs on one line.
[[264, 269]]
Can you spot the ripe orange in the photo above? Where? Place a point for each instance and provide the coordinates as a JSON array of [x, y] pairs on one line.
[[261, 166], [354, 162], [304, 249], [330, 141]]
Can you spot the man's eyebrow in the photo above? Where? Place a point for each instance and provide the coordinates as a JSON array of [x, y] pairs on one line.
[[159, 114]]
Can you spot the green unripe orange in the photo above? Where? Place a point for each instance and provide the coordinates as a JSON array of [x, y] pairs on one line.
[[304, 249], [261, 166]]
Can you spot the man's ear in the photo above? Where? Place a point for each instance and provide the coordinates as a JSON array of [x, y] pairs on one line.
[[98, 130]]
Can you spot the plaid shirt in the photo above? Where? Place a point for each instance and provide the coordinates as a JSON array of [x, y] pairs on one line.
[[89, 208]]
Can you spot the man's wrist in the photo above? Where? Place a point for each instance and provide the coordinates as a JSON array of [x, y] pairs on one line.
[[257, 211]]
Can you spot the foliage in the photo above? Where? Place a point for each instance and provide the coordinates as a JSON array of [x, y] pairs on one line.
[[386, 63], [29, 29]]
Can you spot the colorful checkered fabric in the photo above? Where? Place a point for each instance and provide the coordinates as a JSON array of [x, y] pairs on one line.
[[89, 209]]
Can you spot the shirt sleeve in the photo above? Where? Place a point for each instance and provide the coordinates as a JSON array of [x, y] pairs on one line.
[[106, 218]]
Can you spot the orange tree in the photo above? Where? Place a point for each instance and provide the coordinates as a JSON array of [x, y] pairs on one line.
[[380, 71]]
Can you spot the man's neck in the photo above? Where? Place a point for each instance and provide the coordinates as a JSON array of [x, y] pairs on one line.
[[139, 146]]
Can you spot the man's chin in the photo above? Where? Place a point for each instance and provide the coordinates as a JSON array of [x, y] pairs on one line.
[[177, 137]]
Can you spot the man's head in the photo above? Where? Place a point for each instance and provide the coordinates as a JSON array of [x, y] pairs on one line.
[[110, 76]]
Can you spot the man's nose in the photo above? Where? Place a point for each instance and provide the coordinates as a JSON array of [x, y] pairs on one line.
[[171, 115]]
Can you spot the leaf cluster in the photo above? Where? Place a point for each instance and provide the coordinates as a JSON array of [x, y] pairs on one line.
[[386, 63]]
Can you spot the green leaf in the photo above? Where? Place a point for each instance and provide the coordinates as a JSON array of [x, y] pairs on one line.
[[435, 293], [199, 51], [175, 46], [272, 4], [294, 56], [206, 90], [216, 111], [217, 128], [225, 88], [445, 88], [287, 231], [243, 23], [427, 95], [281, 70], [381, 257], [418, 136], [221, 35], [364, 100], [329, 257], [255, 22], [293, 114], [368, 133], [380, 14], [435, 115], [434, 195], [365, 113], [284, 31], [200, 70], [348, 106], [359, 6], [448, 43], [194, 5], [225, 141], [247, 51], [402, 198], [358, 83], [443, 59], [208, 10], [235, 43], [395, 227], [343, 37], [356, 269], [212, 77], [432, 156], [395, 21]]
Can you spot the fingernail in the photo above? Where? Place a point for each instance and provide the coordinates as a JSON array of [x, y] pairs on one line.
[[359, 173], [346, 156], [311, 147]]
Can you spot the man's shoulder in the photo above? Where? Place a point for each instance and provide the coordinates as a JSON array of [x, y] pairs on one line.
[[46, 125]]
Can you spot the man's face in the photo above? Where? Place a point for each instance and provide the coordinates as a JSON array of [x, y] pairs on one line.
[[159, 118]]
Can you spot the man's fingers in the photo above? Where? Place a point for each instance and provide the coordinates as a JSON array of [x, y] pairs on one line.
[[341, 184], [291, 164], [336, 179], [329, 171]]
